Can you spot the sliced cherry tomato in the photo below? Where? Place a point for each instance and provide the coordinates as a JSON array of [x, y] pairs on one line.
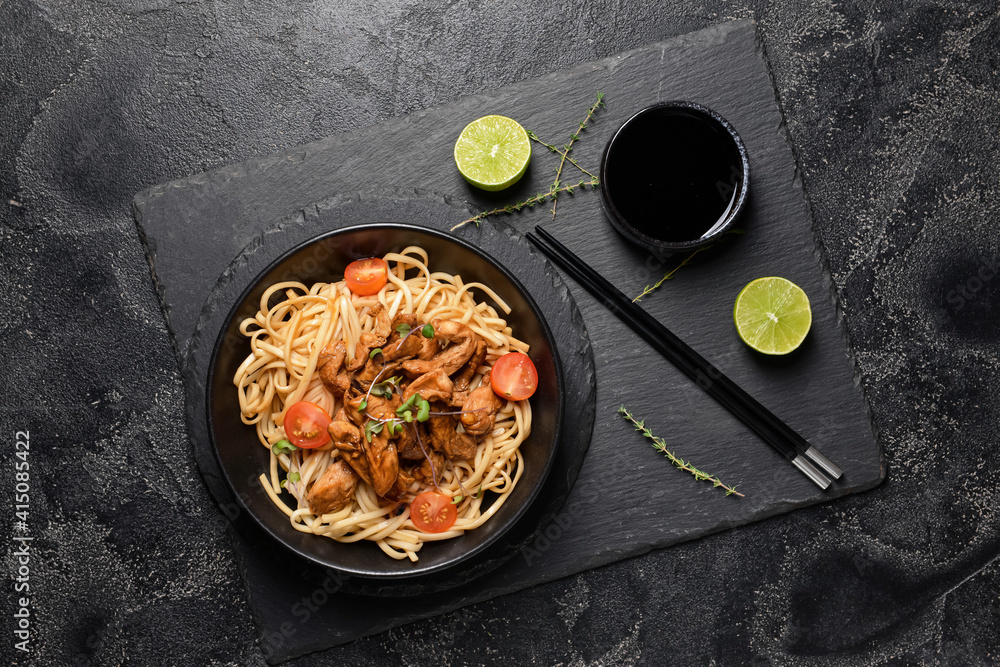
[[366, 276], [514, 376], [305, 425], [433, 512]]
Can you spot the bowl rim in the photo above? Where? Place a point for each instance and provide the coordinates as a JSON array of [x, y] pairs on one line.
[[518, 513], [638, 237]]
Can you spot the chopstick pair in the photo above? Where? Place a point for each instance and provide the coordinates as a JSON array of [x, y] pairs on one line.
[[759, 419]]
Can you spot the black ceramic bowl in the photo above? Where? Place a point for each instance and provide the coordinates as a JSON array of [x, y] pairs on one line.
[[242, 459], [674, 176]]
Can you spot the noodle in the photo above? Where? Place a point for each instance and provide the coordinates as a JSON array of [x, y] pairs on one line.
[[295, 322]]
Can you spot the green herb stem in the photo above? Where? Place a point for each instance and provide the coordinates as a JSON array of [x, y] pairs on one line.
[[527, 203], [660, 446], [647, 290], [572, 139], [534, 137]]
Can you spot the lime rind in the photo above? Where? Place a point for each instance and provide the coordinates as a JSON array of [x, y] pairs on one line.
[[772, 315], [493, 152]]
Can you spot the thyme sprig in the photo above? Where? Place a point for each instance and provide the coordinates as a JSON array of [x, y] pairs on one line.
[[557, 187], [647, 290], [530, 201], [660, 446], [572, 139], [564, 153]]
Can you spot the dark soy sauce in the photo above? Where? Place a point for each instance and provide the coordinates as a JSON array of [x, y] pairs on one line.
[[673, 174]]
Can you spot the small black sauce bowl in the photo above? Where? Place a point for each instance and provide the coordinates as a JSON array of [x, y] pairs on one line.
[[707, 171]]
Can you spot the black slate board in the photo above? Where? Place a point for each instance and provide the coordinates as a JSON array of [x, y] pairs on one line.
[[631, 500]]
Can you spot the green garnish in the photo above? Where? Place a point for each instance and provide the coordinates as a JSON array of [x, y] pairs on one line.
[[403, 329], [407, 404], [292, 477], [372, 428], [418, 402], [384, 389], [362, 405], [283, 447], [427, 331], [661, 446], [456, 500], [377, 350]]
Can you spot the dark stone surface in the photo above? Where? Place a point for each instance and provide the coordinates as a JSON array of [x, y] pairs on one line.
[[813, 390], [893, 110]]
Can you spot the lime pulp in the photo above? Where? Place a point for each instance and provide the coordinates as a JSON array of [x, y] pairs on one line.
[[493, 152], [772, 315]]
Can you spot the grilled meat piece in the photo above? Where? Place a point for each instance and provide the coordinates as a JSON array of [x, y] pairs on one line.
[[330, 365], [445, 439], [375, 461], [433, 386], [334, 490], [468, 370], [461, 341], [422, 473], [479, 412], [370, 340]]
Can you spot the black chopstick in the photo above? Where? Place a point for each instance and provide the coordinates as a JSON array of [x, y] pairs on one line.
[[759, 419]]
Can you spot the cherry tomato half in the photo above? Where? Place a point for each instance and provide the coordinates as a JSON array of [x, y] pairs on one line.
[[366, 276], [433, 512], [514, 376], [305, 425]]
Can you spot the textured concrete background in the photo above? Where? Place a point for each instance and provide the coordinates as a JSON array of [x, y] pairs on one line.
[[894, 113]]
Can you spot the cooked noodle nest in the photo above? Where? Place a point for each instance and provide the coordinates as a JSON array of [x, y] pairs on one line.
[[295, 322]]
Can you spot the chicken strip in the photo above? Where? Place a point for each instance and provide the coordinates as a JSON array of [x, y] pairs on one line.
[[330, 366], [465, 374], [422, 473], [461, 341], [479, 412], [370, 340], [433, 386], [334, 490], [445, 439], [403, 346], [375, 461]]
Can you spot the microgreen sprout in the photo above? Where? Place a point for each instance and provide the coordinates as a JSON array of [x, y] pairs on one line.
[[377, 350], [427, 331], [459, 412], [283, 447], [384, 389], [403, 329], [373, 427], [415, 403]]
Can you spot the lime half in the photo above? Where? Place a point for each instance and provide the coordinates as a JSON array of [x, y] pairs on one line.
[[493, 152], [772, 315]]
